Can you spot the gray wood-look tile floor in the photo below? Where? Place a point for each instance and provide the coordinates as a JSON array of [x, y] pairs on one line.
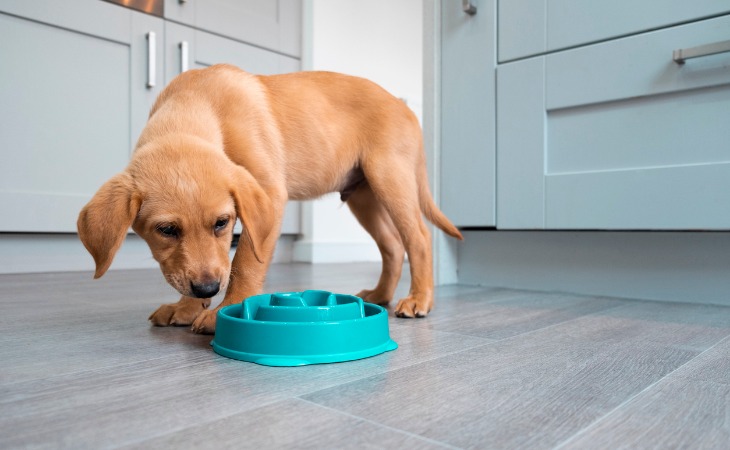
[[489, 368]]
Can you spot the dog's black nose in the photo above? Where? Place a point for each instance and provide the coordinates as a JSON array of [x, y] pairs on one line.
[[205, 290]]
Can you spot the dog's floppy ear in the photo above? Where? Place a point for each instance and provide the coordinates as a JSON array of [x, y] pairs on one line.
[[104, 221], [254, 209]]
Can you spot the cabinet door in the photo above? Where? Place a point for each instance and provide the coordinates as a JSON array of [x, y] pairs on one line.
[[73, 100], [617, 135], [531, 27], [274, 25], [201, 49], [468, 114]]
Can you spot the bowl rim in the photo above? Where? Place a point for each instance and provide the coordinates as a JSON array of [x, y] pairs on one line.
[[225, 312]]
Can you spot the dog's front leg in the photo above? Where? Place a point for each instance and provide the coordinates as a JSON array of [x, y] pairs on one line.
[[247, 279], [184, 312]]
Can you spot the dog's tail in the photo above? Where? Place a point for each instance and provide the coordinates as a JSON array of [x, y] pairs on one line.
[[430, 210]]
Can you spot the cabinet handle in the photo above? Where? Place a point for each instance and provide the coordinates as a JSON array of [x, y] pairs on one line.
[[184, 62], [151, 59], [681, 55], [468, 7]]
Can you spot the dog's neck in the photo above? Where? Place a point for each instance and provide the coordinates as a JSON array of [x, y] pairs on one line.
[[183, 115]]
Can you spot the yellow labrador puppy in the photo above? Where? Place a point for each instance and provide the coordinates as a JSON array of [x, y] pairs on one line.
[[223, 145]]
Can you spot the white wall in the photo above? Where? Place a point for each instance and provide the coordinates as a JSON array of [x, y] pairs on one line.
[[377, 39]]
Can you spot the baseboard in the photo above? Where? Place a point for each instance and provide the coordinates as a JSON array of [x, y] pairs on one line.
[[668, 266], [334, 252], [23, 253], [27, 253]]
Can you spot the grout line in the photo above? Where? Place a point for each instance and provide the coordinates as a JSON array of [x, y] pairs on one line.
[[537, 330], [395, 369], [623, 303], [137, 442], [649, 387], [486, 342], [298, 396], [398, 430], [97, 369], [209, 420]]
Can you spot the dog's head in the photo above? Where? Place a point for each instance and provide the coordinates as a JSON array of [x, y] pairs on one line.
[[183, 198]]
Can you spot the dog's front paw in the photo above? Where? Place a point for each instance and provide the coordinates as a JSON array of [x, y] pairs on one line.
[[374, 296], [411, 307], [205, 323], [181, 313]]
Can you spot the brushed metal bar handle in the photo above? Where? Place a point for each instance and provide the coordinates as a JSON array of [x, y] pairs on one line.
[[151, 59], [468, 7], [683, 54], [184, 61]]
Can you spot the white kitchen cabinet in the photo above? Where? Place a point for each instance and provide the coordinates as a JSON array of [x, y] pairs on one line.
[[593, 131], [601, 139], [76, 93], [74, 96], [532, 27], [617, 135], [269, 24]]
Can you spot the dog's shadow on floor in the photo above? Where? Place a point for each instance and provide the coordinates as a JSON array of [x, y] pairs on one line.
[[181, 335]]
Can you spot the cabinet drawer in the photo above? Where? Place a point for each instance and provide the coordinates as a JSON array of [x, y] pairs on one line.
[[623, 136], [273, 25], [201, 49], [532, 27], [635, 140]]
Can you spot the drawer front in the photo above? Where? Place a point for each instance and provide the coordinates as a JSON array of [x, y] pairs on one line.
[[532, 27], [625, 138], [272, 25]]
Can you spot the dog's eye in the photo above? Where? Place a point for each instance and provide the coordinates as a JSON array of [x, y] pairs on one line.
[[168, 230], [220, 224]]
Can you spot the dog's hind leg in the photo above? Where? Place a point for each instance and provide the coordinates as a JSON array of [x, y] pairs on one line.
[[394, 183], [375, 219]]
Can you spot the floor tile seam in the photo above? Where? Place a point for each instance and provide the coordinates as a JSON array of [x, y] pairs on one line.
[[265, 404], [505, 294], [623, 303], [426, 326], [209, 420], [547, 327], [665, 302], [382, 425], [608, 415], [395, 369], [491, 342], [518, 293], [487, 341], [528, 291], [85, 371], [700, 354], [283, 397], [669, 377]]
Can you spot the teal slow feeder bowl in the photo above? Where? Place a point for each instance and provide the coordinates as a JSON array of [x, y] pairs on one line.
[[300, 328]]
